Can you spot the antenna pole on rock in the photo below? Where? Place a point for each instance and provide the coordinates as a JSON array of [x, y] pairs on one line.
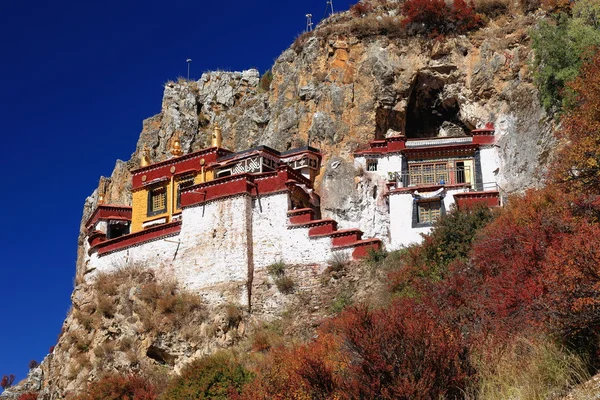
[[188, 61], [309, 23], [330, 4]]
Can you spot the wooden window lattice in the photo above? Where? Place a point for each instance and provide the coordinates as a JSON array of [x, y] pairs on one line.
[[428, 174], [429, 212], [158, 200]]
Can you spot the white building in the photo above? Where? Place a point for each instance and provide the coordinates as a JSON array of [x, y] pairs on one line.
[[426, 177]]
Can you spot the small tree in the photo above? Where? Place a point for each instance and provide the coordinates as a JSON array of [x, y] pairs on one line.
[[7, 381], [33, 364]]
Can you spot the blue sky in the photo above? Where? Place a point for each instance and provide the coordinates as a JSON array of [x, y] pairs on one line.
[[76, 80]]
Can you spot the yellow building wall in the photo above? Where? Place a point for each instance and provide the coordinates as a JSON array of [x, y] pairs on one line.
[[209, 173], [469, 172], [140, 202], [139, 205]]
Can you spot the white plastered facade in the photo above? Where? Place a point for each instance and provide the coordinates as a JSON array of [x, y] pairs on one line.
[[224, 241]]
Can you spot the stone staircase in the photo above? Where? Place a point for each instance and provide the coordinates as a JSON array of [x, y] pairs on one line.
[[340, 239]]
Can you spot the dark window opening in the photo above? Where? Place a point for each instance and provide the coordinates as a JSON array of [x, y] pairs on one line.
[[371, 165], [183, 183], [460, 172], [223, 173], [117, 229]]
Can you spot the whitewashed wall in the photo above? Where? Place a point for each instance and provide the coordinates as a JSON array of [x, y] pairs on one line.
[[214, 243], [401, 211], [385, 163], [490, 161], [156, 254], [221, 241]]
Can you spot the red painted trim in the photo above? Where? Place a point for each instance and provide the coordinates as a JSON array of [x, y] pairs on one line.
[[137, 238], [392, 144], [301, 215], [362, 249], [483, 136], [342, 237], [253, 184], [108, 211], [470, 199], [184, 164], [96, 237], [438, 150]]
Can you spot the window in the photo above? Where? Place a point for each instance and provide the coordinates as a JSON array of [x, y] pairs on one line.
[[157, 201], [116, 229], [428, 174], [371, 165], [460, 172], [182, 183], [429, 211]]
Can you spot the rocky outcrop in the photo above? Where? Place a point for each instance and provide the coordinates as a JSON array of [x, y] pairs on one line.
[[337, 92]]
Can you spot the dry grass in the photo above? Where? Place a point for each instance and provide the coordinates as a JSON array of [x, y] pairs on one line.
[[492, 8], [265, 337], [78, 341], [528, 369], [105, 353], [370, 25]]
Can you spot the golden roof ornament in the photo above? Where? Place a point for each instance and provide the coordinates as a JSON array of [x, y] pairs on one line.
[[217, 136], [176, 145], [100, 199], [145, 156]]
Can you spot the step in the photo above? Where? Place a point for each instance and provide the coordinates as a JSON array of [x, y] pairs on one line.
[[361, 247], [316, 227], [342, 237], [300, 215]]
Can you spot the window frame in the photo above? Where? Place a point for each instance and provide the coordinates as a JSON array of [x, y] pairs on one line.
[[182, 182], [372, 162], [155, 191], [421, 204]]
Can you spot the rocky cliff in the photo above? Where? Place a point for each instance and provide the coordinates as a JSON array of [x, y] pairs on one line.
[[336, 90]]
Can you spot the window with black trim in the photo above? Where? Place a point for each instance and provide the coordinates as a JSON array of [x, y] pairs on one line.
[[371, 165], [157, 200], [182, 183], [428, 211]]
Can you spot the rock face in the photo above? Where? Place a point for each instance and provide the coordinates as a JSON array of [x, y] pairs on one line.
[[337, 93]]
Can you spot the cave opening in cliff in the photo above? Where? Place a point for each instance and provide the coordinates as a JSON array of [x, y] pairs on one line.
[[429, 113]]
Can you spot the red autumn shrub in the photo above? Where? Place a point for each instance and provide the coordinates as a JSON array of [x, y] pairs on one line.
[[435, 17], [308, 371], [402, 352], [578, 166], [28, 396], [118, 387], [7, 381], [395, 353], [33, 364], [361, 8], [572, 276]]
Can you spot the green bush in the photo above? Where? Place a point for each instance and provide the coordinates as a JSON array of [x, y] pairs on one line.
[[276, 269], [561, 45], [219, 376]]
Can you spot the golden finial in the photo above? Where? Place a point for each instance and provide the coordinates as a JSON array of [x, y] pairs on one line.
[[100, 199], [217, 137], [145, 156], [176, 145]]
